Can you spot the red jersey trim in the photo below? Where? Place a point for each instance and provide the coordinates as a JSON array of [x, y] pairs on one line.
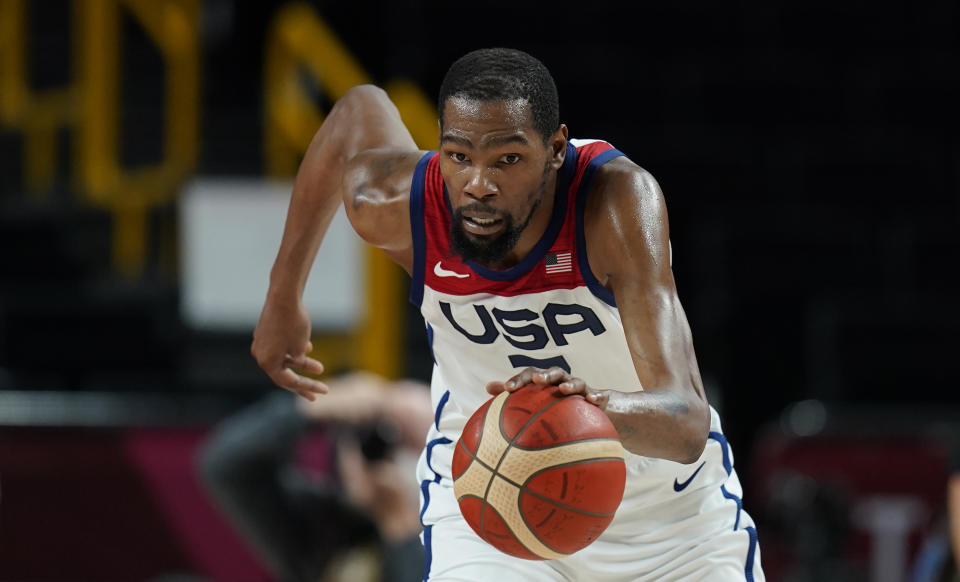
[[554, 263]]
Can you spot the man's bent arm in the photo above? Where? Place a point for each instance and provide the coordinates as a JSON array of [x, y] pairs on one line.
[[363, 119], [670, 418]]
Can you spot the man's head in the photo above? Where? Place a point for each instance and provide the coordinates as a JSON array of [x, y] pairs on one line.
[[502, 74], [501, 145]]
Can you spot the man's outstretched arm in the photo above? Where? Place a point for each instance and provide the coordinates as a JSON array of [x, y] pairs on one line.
[[363, 119]]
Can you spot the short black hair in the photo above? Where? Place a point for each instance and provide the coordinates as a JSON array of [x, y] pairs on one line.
[[495, 74]]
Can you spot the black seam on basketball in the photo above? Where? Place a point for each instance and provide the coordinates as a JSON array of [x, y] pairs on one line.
[[524, 488], [496, 473], [566, 443], [485, 535], [524, 427], [556, 504], [570, 464], [473, 456], [486, 492], [534, 533], [483, 421], [496, 470], [530, 420], [561, 505], [483, 505]]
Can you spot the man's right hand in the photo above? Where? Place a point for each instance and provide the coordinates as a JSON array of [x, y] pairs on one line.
[[281, 345]]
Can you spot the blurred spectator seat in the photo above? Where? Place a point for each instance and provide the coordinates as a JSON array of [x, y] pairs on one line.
[[104, 487], [843, 495]]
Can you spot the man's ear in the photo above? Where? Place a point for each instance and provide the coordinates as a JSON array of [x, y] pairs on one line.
[[558, 147]]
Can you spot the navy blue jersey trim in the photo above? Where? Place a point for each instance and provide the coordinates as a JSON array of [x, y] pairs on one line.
[[751, 553], [564, 177], [430, 343], [428, 549], [751, 531], [425, 485], [417, 229], [440, 405], [733, 497], [598, 290], [725, 447]]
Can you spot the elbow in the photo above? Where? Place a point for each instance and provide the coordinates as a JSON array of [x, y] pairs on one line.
[[692, 450], [357, 121], [357, 101], [695, 434]]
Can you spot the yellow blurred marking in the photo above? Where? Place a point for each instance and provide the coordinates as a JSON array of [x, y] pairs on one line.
[[300, 42]]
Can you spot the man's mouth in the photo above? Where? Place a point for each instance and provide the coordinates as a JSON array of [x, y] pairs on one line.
[[482, 224]]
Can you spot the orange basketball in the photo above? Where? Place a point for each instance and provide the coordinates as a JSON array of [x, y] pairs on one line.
[[538, 474]]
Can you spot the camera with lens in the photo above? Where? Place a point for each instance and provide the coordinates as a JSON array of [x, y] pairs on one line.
[[377, 440]]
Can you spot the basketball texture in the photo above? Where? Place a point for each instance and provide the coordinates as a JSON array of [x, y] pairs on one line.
[[538, 474]]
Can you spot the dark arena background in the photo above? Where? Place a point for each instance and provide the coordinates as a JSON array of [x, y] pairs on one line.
[[808, 151]]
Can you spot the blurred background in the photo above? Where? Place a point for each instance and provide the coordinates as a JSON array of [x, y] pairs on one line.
[[809, 155]]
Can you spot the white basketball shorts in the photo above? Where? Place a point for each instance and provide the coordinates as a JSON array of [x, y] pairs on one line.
[[681, 528]]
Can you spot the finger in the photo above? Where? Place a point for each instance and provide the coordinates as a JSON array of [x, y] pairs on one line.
[[305, 363], [287, 378], [522, 379], [552, 375], [600, 398], [494, 388], [573, 386]]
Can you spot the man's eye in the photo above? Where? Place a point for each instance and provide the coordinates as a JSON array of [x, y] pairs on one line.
[[458, 157], [510, 159]]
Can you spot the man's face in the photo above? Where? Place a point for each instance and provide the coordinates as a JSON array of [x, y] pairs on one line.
[[497, 170]]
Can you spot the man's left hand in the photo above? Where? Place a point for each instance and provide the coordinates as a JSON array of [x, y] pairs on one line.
[[551, 377]]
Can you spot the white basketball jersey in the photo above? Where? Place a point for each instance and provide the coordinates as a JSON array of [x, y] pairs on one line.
[[547, 310]]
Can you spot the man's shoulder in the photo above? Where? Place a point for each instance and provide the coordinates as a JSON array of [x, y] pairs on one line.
[[625, 209], [621, 180]]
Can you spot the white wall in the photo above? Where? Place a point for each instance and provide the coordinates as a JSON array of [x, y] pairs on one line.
[[230, 231]]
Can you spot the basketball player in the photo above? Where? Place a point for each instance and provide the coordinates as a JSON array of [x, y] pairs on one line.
[[534, 257]]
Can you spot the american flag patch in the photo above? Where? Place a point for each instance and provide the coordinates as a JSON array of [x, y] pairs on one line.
[[558, 262]]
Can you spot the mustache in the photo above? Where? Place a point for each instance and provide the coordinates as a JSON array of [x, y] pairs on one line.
[[478, 207]]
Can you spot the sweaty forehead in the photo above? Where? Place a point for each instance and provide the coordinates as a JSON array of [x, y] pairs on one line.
[[468, 114]]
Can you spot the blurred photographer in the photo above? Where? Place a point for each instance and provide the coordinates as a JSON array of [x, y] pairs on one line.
[[363, 518]]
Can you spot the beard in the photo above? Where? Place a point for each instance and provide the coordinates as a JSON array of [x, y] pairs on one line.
[[491, 250], [487, 250]]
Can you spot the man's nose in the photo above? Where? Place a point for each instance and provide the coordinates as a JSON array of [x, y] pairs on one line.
[[479, 186]]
